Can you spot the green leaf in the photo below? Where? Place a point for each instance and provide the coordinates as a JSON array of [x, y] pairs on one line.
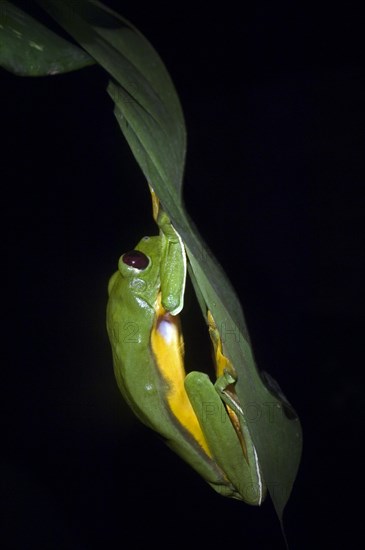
[[149, 114], [27, 48], [142, 88]]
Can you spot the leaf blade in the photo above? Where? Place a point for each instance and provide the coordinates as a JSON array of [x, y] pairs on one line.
[[153, 125], [27, 48], [145, 87]]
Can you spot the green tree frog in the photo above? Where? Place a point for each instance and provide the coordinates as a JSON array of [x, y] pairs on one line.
[[201, 422]]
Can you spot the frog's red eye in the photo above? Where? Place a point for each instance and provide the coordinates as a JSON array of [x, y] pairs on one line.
[[136, 259]]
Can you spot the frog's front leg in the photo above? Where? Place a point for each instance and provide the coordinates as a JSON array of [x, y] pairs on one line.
[[173, 261]]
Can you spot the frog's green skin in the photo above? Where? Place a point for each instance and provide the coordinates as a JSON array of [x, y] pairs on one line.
[[150, 374]]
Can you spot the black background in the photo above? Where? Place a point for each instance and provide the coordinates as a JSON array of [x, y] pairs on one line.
[[273, 97]]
